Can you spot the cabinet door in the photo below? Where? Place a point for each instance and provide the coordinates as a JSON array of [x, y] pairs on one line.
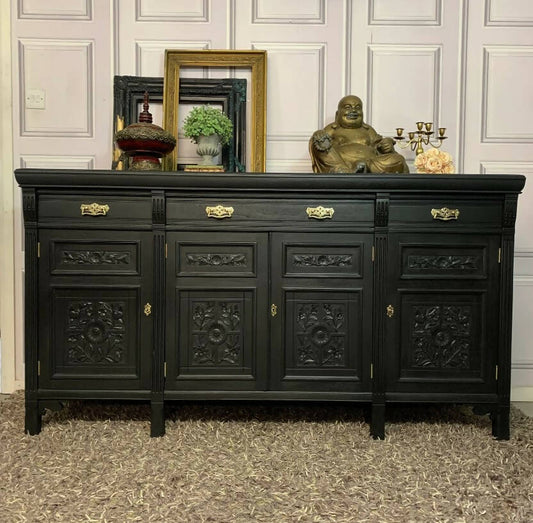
[[321, 312], [93, 288], [217, 291], [442, 313]]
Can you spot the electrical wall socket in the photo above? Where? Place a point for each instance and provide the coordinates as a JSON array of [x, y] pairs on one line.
[[35, 99]]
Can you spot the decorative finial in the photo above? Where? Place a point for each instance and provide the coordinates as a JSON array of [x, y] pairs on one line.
[[145, 116]]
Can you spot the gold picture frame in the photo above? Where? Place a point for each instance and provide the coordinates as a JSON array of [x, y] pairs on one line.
[[254, 60]]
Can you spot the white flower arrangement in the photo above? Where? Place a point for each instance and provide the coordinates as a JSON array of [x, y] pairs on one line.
[[434, 161]]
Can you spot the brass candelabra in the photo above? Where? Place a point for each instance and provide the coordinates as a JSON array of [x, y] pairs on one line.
[[422, 136]]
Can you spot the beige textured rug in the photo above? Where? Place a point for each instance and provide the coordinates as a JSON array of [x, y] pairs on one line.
[[272, 463]]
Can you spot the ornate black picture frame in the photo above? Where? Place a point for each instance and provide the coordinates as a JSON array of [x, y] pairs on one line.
[[230, 93]]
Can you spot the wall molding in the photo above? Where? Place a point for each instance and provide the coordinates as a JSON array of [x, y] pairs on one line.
[[522, 280], [160, 46], [232, 24], [57, 161], [434, 51], [507, 20], [200, 15], [317, 50], [85, 48], [522, 364], [505, 167], [348, 40], [521, 393], [412, 19], [285, 166], [489, 52], [262, 16], [46, 11], [463, 71]]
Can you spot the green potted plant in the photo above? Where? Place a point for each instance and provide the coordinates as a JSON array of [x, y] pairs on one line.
[[210, 128]]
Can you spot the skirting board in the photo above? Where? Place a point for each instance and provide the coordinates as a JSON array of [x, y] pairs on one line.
[[522, 394]]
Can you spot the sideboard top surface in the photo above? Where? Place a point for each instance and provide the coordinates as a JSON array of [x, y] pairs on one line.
[[293, 183]]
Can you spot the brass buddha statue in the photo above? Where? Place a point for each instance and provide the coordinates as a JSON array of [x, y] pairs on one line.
[[351, 146]]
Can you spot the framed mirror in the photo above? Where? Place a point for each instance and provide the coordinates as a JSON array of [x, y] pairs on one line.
[[227, 93], [254, 61]]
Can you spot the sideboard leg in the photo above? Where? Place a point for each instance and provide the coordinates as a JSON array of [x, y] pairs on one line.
[[377, 423], [157, 425], [500, 422], [33, 418]]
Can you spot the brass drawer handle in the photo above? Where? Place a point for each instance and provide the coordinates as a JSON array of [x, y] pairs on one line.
[[445, 214], [320, 213], [219, 212], [390, 311], [147, 309], [94, 209]]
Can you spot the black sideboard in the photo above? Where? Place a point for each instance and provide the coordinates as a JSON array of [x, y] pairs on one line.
[[355, 288]]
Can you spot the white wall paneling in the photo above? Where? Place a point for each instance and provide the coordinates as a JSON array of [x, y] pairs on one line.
[[150, 56], [307, 46], [8, 316], [57, 162], [522, 355], [288, 12], [498, 106], [524, 219], [287, 61], [142, 34], [67, 90], [172, 11], [392, 103], [497, 139], [508, 13], [405, 12], [523, 266], [407, 65], [504, 100], [55, 9]]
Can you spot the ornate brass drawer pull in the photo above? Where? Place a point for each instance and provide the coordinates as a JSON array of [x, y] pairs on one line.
[[219, 212], [390, 311], [273, 310], [94, 209], [445, 214], [147, 309], [320, 213]]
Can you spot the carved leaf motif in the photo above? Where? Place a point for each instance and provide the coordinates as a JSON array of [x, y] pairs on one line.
[[320, 334], [95, 258], [307, 316], [216, 333], [95, 332], [442, 336], [322, 260], [444, 262], [214, 260], [202, 314]]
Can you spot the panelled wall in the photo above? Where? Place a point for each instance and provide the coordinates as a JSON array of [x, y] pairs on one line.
[[466, 66]]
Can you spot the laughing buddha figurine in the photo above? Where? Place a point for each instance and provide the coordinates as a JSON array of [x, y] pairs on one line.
[[351, 146]]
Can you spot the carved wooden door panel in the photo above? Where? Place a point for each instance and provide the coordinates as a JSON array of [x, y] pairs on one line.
[[442, 313], [217, 300], [321, 312], [95, 294]]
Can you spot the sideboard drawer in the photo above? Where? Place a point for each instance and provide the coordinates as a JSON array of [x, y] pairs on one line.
[[94, 210], [451, 212], [293, 212]]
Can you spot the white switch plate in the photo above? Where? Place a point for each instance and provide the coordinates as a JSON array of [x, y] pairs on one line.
[[35, 99]]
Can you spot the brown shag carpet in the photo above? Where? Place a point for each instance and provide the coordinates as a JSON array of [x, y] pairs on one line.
[[95, 462]]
